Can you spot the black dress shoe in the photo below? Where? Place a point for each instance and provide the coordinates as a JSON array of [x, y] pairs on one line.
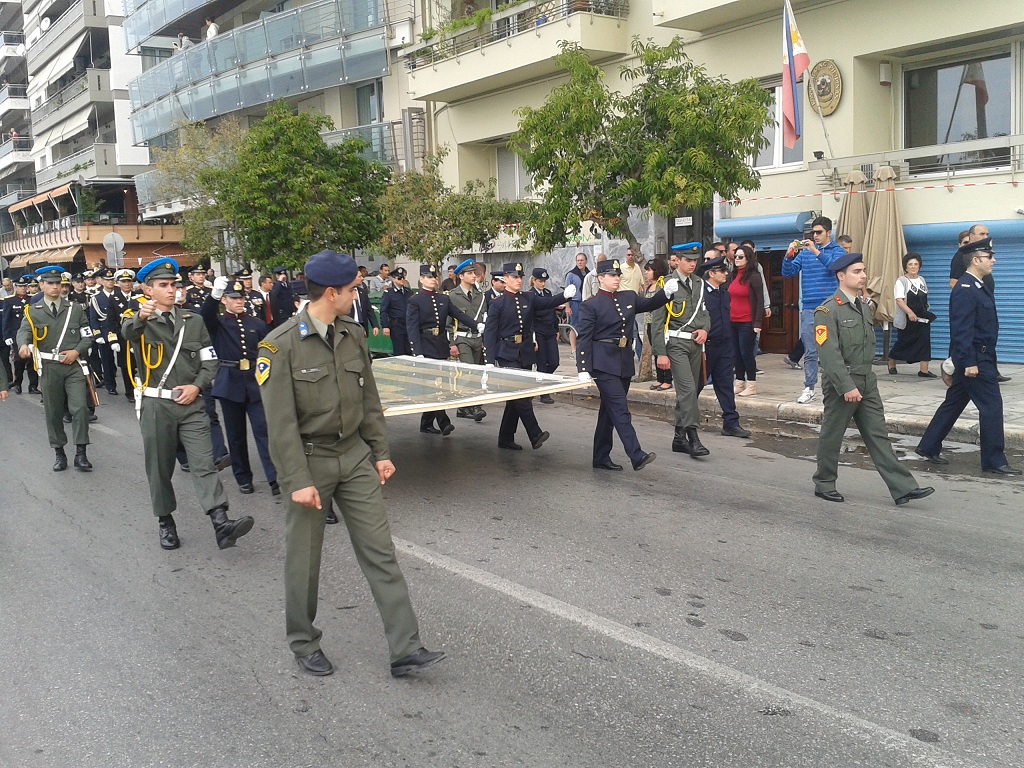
[[129, 395], [936, 459], [917, 493], [1000, 378], [538, 441], [430, 430], [17, 389], [479, 414], [246, 488], [416, 662], [275, 489], [447, 429], [927, 375], [464, 413], [736, 432], [547, 399], [61, 460], [185, 467], [1006, 469], [34, 391], [332, 516], [829, 495], [509, 445], [111, 391], [644, 461], [67, 418], [168, 533], [93, 417], [892, 370], [315, 664], [608, 465], [223, 462]]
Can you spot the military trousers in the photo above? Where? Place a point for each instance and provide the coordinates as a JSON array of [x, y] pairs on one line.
[[614, 415], [685, 357], [547, 353], [164, 424], [869, 416], [721, 370], [60, 383], [518, 410], [471, 349], [352, 483], [235, 415]]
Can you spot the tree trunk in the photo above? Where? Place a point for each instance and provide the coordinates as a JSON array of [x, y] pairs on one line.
[[646, 363]]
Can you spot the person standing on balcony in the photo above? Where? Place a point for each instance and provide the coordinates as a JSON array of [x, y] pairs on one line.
[[212, 29]]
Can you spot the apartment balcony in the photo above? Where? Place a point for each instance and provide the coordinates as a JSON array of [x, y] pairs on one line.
[[705, 15], [13, 98], [13, 153], [14, 193], [288, 54], [64, 31], [97, 161], [91, 88], [400, 145], [12, 46], [517, 46]]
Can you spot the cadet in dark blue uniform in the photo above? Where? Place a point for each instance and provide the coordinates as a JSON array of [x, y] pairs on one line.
[[282, 299], [604, 351], [197, 293], [718, 348], [973, 332], [508, 343], [14, 311], [497, 288], [105, 319], [426, 319], [393, 310], [545, 329], [121, 300], [236, 335]]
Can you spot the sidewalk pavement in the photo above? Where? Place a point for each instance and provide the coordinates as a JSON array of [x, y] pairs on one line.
[[910, 401]]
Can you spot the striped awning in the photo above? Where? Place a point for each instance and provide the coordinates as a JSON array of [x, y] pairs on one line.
[[40, 198]]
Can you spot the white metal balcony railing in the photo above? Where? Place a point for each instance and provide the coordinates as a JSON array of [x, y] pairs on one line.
[[286, 54], [63, 22], [73, 92], [508, 23]]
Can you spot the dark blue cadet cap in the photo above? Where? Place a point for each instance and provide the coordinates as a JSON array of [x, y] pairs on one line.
[[330, 268], [844, 261]]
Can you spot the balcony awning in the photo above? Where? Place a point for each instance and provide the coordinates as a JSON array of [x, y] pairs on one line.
[[41, 142], [65, 255], [73, 126], [41, 198], [58, 65], [769, 233]]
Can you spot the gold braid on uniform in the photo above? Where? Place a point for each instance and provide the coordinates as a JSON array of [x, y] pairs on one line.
[[147, 357]]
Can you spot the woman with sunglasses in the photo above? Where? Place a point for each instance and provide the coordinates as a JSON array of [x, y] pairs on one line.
[[746, 313]]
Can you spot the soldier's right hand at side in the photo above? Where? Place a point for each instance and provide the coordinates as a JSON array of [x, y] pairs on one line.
[[25, 352], [853, 396], [307, 497]]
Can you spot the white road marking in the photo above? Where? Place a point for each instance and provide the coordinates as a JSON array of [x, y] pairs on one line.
[[105, 430], [920, 752]]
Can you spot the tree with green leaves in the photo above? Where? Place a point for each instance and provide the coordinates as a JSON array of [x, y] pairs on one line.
[[290, 195], [672, 141], [427, 221]]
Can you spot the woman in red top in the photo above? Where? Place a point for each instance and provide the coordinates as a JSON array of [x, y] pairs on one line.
[[746, 312]]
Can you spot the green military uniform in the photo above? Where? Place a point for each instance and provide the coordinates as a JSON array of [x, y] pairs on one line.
[[846, 347], [469, 343], [164, 422], [327, 430], [672, 327], [52, 332]]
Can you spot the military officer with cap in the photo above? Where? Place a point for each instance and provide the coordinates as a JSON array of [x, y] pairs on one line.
[[174, 361], [236, 335], [120, 301], [846, 348], [197, 293], [253, 299], [678, 332], [393, 309], [468, 343], [426, 319], [106, 326], [508, 343], [91, 287], [973, 333], [497, 288], [13, 313], [283, 301], [56, 334], [329, 443], [545, 328], [77, 293], [604, 354]]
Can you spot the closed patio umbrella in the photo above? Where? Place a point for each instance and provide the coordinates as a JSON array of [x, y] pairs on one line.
[[853, 216], [884, 248]]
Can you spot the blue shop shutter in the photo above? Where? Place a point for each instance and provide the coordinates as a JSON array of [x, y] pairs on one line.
[[936, 244], [769, 233]]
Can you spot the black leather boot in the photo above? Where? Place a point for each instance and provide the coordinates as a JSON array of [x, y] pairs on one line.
[[81, 460], [168, 533], [478, 413], [679, 443], [696, 448], [61, 462], [228, 531]]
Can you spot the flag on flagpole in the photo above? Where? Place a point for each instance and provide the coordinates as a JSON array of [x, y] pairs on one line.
[[794, 61], [974, 74]]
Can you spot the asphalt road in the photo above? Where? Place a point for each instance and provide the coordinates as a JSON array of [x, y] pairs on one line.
[[696, 613]]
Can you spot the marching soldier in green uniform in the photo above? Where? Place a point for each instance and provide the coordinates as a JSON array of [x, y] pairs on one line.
[[846, 347], [329, 444], [56, 334], [467, 343], [678, 332], [172, 360]]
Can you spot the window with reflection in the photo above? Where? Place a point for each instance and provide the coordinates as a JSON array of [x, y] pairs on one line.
[[776, 154]]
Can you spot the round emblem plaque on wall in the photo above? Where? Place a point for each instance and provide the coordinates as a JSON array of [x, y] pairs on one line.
[[825, 82]]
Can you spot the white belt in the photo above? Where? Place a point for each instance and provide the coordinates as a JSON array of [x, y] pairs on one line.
[[54, 356], [466, 334], [163, 394], [679, 334]]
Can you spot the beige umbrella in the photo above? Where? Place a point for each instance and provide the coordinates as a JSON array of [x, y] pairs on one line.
[[853, 216], [884, 248]]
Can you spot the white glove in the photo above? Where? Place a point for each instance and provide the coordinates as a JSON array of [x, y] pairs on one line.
[[671, 287], [219, 286], [480, 327], [489, 365], [115, 347], [570, 291], [417, 355], [100, 339], [10, 342], [585, 377]]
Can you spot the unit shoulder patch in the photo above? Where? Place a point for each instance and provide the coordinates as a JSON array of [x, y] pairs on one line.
[[267, 345], [820, 334], [262, 369], [822, 308]]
